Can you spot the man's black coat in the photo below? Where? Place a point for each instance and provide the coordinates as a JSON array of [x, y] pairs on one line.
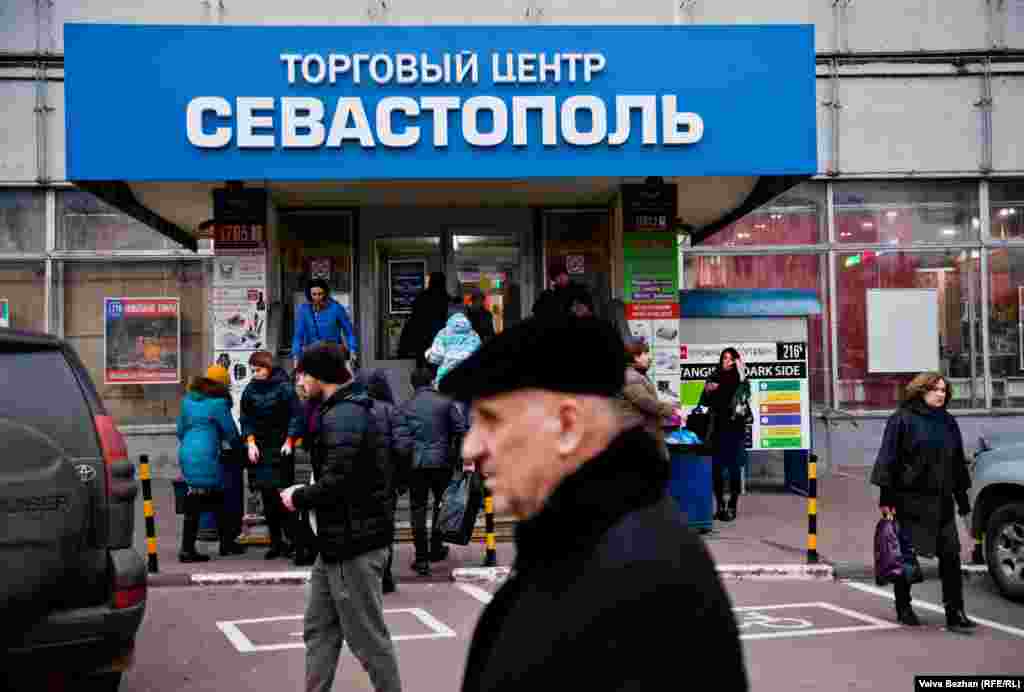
[[609, 591]]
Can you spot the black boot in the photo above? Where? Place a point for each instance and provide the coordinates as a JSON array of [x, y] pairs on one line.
[[231, 547], [721, 514], [957, 620], [730, 512], [905, 615], [438, 550], [189, 532]]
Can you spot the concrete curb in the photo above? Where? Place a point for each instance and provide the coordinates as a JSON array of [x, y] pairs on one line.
[[280, 578], [493, 575], [859, 572], [496, 575]]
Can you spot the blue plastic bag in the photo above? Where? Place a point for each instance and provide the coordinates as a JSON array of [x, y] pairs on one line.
[[682, 437]]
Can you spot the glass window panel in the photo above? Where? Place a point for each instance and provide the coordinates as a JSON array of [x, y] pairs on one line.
[[86, 284], [1007, 208], [1006, 331], [87, 223], [797, 217], [770, 271], [23, 295], [955, 276], [22, 221], [900, 212]]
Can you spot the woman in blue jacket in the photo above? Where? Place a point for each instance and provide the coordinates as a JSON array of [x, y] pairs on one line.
[[205, 426], [322, 319]]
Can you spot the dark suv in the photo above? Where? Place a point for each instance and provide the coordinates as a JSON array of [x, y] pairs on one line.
[[72, 588]]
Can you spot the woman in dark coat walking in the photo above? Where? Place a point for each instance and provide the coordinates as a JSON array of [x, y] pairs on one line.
[[729, 429], [922, 471], [271, 424], [429, 315]]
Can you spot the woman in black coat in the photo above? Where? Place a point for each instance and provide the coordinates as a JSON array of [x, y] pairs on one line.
[[429, 316], [728, 430], [272, 423], [922, 470]]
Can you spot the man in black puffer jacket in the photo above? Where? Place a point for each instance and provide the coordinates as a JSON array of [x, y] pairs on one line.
[[351, 498]]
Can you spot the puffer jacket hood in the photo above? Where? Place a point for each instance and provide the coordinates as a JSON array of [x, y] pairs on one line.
[[453, 344], [203, 388]]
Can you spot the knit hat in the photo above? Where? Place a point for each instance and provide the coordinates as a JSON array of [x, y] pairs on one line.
[[576, 355], [218, 373]]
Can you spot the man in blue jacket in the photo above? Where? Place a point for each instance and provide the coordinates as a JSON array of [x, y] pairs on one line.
[[322, 319]]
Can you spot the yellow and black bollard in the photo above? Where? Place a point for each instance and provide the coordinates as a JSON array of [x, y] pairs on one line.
[[147, 510], [812, 509], [491, 556]]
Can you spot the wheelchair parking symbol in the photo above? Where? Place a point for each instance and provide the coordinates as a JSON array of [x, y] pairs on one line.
[[803, 620]]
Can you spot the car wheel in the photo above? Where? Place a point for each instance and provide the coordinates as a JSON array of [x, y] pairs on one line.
[[1004, 550]]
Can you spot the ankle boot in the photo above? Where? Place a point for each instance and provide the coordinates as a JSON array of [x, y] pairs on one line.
[[957, 620], [905, 615], [731, 510]]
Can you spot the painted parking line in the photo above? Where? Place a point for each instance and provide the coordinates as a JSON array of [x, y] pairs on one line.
[[935, 608], [232, 629], [803, 620], [482, 595]]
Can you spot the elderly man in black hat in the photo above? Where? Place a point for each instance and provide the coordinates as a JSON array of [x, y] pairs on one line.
[[605, 566]]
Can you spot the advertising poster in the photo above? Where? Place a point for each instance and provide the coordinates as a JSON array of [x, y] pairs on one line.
[[650, 250], [239, 318], [779, 389], [237, 365], [142, 341], [406, 278], [5, 314]]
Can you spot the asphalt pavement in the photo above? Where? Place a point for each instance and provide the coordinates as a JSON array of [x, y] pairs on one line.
[[798, 634]]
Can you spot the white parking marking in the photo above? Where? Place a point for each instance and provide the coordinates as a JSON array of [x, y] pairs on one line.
[[935, 608], [476, 592], [755, 617], [235, 635]]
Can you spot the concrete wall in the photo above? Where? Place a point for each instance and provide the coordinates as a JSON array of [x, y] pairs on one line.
[[891, 118]]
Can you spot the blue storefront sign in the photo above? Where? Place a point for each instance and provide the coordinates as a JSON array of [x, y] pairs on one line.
[[343, 103]]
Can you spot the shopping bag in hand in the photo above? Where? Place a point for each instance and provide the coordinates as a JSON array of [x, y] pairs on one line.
[[460, 506], [888, 556]]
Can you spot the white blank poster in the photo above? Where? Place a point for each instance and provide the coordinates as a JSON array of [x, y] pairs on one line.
[[903, 330]]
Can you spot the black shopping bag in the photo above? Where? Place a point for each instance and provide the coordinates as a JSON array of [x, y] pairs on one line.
[[459, 507]]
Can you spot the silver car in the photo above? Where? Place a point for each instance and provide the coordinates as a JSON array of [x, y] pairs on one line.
[[997, 498]]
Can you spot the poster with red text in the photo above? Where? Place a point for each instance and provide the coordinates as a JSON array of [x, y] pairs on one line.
[[141, 341]]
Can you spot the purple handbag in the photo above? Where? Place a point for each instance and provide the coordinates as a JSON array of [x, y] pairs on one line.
[[888, 557]]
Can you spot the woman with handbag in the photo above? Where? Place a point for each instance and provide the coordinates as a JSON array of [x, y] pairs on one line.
[[922, 472], [726, 394], [639, 398]]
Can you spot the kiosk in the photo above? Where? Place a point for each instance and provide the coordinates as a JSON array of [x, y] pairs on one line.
[[770, 330]]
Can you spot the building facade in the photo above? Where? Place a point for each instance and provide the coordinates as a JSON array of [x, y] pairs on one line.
[[920, 185]]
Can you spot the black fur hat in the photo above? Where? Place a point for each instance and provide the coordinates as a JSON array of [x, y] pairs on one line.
[[577, 355]]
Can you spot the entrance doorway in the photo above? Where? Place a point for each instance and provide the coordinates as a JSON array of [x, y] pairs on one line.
[[485, 251]]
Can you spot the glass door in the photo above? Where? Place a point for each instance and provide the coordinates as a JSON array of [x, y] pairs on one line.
[[487, 263], [403, 265]]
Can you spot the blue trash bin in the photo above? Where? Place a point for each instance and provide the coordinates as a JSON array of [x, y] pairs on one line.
[[690, 482]]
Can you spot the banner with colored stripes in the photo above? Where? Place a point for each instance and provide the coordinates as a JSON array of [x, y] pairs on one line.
[[779, 389]]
